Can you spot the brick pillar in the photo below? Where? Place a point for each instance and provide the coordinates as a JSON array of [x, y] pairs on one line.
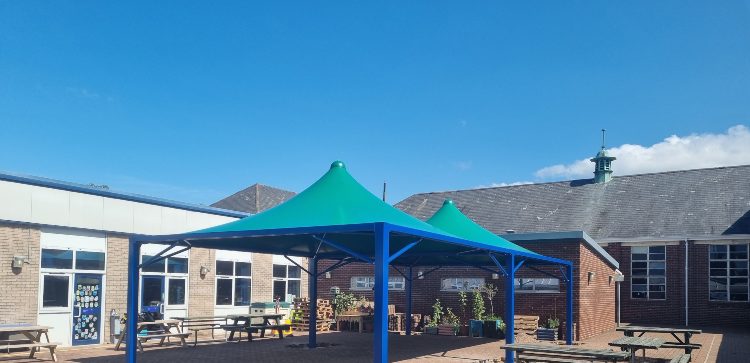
[[115, 280], [19, 288], [201, 294], [262, 277]]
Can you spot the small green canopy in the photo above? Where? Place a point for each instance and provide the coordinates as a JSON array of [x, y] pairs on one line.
[[448, 218], [336, 199]]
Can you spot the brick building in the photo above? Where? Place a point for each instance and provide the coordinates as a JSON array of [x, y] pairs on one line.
[[63, 249]]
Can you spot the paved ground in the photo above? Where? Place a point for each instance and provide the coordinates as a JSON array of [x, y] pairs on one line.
[[725, 346]]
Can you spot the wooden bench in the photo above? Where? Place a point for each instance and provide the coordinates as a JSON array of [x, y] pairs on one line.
[[162, 336], [537, 353], [682, 358], [34, 347], [197, 324], [250, 329]]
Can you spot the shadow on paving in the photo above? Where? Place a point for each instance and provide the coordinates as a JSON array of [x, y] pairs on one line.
[[341, 347]]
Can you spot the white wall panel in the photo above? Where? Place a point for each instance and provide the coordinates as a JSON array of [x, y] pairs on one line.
[[196, 221], [50, 206], [16, 201], [146, 218], [68, 239], [117, 215], [173, 220], [86, 211]]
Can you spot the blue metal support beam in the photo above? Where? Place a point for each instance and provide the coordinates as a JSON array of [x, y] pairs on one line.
[[518, 265], [380, 341], [409, 282], [564, 274], [401, 251], [401, 273], [343, 262], [499, 265], [429, 272], [158, 257], [312, 291], [569, 309], [298, 265], [131, 344], [510, 306], [339, 247]]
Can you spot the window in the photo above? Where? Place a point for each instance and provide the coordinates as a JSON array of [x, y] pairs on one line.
[[153, 267], [537, 285], [286, 282], [461, 284], [177, 265], [728, 272], [176, 292], [233, 283], [86, 260], [55, 291], [164, 281], [57, 259], [648, 272], [397, 283]]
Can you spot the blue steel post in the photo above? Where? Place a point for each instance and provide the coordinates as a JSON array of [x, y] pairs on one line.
[[131, 343], [312, 337], [510, 305], [382, 251], [569, 310], [408, 300]]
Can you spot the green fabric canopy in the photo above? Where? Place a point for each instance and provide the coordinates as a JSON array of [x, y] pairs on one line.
[[335, 199], [448, 218]]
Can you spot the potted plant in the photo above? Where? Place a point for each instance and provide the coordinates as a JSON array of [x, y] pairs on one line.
[[477, 309], [437, 315], [450, 323], [491, 325], [550, 331], [494, 327], [463, 328]]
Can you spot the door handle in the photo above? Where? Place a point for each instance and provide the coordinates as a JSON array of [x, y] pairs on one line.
[[77, 306]]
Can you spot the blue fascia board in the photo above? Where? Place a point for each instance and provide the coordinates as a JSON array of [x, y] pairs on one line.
[[85, 189], [566, 235]]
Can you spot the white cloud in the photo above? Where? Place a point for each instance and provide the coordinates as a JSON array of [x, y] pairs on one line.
[[463, 165], [674, 153]]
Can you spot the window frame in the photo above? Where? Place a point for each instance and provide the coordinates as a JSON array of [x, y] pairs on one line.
[[534, 289], [168, 276], [233, 277], [70, 274], [648, 276], [465, 283], [727, 277], [393, 282], [286, 280]]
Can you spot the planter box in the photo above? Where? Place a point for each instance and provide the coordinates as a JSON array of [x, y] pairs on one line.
[[491, 328], [431, 330], [463, 330], [475, 328], [546, 334], [446, 330]]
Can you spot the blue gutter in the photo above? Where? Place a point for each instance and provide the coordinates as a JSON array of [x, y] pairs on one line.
[[85, 189]]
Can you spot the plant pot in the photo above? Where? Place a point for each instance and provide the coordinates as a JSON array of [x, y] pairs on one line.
[[463, 330], [491, 328], [546, 334], [447, 330], [475, 328]]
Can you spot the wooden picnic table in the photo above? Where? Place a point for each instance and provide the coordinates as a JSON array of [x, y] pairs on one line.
[[683, 343], [634, 344], [243, 322], [33, 334], [163, 332], [359, 318], [564, 353], [198, 323]]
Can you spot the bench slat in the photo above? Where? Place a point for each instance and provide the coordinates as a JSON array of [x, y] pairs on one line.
[[29, 345]]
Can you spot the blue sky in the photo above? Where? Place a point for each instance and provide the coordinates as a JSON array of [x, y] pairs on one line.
[[196, 100]]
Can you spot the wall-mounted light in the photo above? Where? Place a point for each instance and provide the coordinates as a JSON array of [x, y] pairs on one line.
[[420, 274], [18, 261], [592, 274], [495, 276], [204, 271], [328, 274]]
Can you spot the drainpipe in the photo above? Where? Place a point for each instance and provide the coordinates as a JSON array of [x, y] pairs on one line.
[[686, 282]]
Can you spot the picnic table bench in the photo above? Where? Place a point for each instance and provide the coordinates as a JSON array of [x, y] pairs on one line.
[[634, 344], [163, 332], [199, 323], [33, 334], [684, 343], [563, 354], [243, 322]]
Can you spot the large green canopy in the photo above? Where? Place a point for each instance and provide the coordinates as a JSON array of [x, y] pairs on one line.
[[448, 218]]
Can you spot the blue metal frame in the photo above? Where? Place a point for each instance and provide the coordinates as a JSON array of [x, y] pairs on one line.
[[510, 306], [382, 259], [312, 282]]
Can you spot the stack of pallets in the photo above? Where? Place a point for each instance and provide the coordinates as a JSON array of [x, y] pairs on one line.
[[301, 315], [526, 324]]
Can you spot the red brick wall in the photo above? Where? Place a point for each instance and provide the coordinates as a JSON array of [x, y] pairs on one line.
[[590, 320], [671, 311]]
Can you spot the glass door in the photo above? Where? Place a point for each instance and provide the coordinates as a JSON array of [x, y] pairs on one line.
[[152, 296], [87, 309]]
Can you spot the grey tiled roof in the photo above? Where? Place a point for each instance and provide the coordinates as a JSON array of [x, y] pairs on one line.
[[255, 199], [689, 203]]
